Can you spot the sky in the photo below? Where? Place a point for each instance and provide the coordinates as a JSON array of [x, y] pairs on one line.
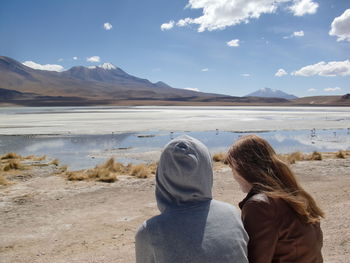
[[231, 47]]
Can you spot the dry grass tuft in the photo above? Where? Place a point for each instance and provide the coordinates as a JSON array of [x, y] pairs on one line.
[[113, 166], [292, 158], [103, 173], [316, 156], [141, 171], [41, 158], [55, 162], [63, 168], [12, 165], [97, 174], [10, 156], [29, 157], [219, 157], [108, 171], [76, 175], [340, 155], [152, 167], [3, 180]]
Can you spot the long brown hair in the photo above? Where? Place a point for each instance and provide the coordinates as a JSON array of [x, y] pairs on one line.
[[255, 160]]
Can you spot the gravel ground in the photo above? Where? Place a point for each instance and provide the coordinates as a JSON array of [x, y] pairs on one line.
[[45, 218]]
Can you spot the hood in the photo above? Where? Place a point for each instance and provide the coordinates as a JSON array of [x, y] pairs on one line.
[[184, 174]]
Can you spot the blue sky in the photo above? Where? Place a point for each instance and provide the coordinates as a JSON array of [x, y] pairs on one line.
[[231, 47]]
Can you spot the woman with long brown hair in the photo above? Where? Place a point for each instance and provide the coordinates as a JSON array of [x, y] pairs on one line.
[[281, 218]]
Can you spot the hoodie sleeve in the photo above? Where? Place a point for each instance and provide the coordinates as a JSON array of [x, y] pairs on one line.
[[143, 246]]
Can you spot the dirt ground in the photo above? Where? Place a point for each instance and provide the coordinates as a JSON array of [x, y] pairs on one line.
[[45, 218]]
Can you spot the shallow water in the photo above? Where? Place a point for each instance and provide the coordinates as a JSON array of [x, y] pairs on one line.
[[85, 151]]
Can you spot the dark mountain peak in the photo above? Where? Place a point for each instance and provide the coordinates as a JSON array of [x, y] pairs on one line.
[[271, 93]]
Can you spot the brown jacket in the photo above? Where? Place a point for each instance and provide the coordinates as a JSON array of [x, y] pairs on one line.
[[277, 234]]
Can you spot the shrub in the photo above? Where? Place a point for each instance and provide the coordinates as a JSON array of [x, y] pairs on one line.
[[340, 155], [76, 176], [12, 165], [152, 167], [113, 166], [140, 171], [316, 156], [219, 157], [294, 157], [10, 156], [98, 173]]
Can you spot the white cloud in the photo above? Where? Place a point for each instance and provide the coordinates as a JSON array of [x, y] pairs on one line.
[[311, 90], [298, 33], [93, 59], [330, 69], [341, 26], [49, 67], [205, 69], [245, 75], [107, 26], [332, 89], [75, 58], [60, 59], [184, 22], [219, 14], [167, 26], [281, 72], [302, 7], [295, 34], [192, 89], [233, 43]]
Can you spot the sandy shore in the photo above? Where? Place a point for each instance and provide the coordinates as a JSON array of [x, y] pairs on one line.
[[45, 218]]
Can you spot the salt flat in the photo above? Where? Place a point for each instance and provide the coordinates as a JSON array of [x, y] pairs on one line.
[[106, 120]]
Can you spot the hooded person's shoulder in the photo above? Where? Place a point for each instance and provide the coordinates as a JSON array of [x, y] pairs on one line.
[[224, 207]]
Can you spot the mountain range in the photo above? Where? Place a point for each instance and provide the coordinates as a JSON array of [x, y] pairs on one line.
[[271, 93], [99, 82], [109, 85]]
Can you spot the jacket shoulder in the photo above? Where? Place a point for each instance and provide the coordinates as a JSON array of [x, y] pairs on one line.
[[260, 205]]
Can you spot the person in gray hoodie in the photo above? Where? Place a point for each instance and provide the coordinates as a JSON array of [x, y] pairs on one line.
[[192, 227]]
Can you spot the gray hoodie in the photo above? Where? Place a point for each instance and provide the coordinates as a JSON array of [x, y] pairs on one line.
[[192, 227]]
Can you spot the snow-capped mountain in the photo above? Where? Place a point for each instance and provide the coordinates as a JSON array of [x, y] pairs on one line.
[[271, 93], [103, 82]]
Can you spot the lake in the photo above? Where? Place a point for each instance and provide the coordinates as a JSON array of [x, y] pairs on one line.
[[81, 137]]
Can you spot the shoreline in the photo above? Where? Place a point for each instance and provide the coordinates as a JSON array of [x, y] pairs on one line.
[[153, 133]]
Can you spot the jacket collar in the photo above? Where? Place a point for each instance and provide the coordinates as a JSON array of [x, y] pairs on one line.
[[252, 192]]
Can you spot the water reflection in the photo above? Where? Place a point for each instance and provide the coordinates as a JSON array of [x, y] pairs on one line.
[[84, 151]]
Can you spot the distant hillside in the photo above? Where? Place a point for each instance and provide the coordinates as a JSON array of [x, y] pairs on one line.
[[109, 85], [90, 83], [271, 93], [323, 101]]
